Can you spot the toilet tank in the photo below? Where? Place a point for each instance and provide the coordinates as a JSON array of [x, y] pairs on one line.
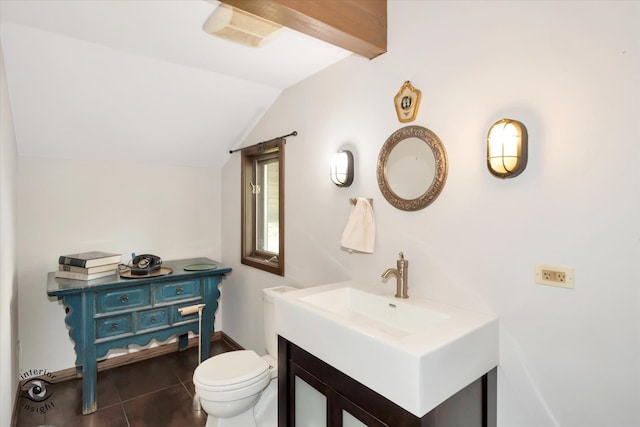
[[270, 335]]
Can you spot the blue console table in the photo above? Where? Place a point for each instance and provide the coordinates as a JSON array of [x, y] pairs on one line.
[[113, 312]]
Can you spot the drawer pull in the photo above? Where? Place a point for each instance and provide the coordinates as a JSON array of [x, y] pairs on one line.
[[114, 327], [153, 319], [124, 299], [179, 290]]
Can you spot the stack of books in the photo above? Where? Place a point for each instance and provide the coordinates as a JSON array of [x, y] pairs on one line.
[[88, 265]]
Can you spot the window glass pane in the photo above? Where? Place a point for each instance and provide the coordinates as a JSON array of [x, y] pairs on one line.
[[267, 205]]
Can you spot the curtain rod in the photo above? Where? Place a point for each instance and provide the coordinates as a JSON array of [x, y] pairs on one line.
[[294, 133]]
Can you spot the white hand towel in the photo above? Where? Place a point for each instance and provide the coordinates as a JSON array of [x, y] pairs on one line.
[[360, 232]]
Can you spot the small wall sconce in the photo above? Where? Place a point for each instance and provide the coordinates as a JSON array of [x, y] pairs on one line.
[[507, 148], [342, 168]]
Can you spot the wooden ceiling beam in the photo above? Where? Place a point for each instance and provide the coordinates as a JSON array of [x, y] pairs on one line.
[[359, 26]]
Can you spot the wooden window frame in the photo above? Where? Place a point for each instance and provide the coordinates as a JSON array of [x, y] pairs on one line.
[[250, 255]]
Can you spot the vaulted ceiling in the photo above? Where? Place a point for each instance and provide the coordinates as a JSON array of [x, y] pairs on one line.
[[141, 81]]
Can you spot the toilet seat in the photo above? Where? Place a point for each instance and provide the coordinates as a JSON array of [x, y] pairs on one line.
[[230, 371]]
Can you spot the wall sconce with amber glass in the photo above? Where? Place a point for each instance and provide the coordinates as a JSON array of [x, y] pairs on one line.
[[342, 168], [507, 148]]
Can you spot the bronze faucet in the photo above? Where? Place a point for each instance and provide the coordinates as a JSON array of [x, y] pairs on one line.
[[402, 276]]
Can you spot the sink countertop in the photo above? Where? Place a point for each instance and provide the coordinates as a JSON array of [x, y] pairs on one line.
[[416, 368]]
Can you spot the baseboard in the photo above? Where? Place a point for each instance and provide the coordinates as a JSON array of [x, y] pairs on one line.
[[16, 402], [231, 343], [148, 353]]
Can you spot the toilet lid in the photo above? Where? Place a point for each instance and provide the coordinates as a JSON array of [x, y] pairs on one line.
[[231, 368]]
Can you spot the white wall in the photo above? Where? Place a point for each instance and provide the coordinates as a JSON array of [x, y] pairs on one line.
[[70, 206], [570, 72], [8, 260]]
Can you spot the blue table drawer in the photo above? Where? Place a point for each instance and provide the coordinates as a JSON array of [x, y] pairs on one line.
[[176, 291], [122, 299], [153, 318], [110, 326]]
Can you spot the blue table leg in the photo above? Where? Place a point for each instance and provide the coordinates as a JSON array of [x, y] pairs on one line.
[[183, 341], [211, 295], [89, 377], [89, 365]]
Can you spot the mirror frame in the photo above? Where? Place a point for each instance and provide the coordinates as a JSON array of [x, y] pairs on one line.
[[440, 173]]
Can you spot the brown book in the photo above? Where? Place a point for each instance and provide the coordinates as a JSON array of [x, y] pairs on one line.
[[89, 259]]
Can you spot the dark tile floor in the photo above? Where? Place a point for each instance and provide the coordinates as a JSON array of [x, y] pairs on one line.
[[157, 392]]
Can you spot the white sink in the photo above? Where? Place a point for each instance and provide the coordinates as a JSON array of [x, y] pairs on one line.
[[415, 352], [394, 317]]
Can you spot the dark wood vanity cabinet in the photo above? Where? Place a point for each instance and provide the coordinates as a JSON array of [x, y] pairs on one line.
[[341, 401]]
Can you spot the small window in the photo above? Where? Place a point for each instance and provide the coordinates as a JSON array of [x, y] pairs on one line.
[[263, 206]]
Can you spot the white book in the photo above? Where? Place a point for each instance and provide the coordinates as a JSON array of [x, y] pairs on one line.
[[81, 276], [90, 270]]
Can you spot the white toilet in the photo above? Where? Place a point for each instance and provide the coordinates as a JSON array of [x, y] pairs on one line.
[[231, 384]]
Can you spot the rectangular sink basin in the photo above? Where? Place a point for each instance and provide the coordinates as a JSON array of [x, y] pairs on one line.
[[392, 317], [415, 352]]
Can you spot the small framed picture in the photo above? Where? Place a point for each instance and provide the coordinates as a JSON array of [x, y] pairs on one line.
[[407, 101]]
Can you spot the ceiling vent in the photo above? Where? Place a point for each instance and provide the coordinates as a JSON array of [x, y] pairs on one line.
[[240, 26]]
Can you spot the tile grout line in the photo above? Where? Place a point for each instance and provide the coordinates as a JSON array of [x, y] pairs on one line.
[[151, 392], [125, 415], [186, 388], [126, 418]]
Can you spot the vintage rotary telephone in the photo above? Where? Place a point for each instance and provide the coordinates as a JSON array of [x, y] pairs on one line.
[[145, 264]]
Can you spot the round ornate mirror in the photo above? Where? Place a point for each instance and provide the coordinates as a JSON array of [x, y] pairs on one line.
[[412, 168]]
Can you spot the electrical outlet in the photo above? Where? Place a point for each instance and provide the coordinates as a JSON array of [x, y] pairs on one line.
[[554, 275]]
